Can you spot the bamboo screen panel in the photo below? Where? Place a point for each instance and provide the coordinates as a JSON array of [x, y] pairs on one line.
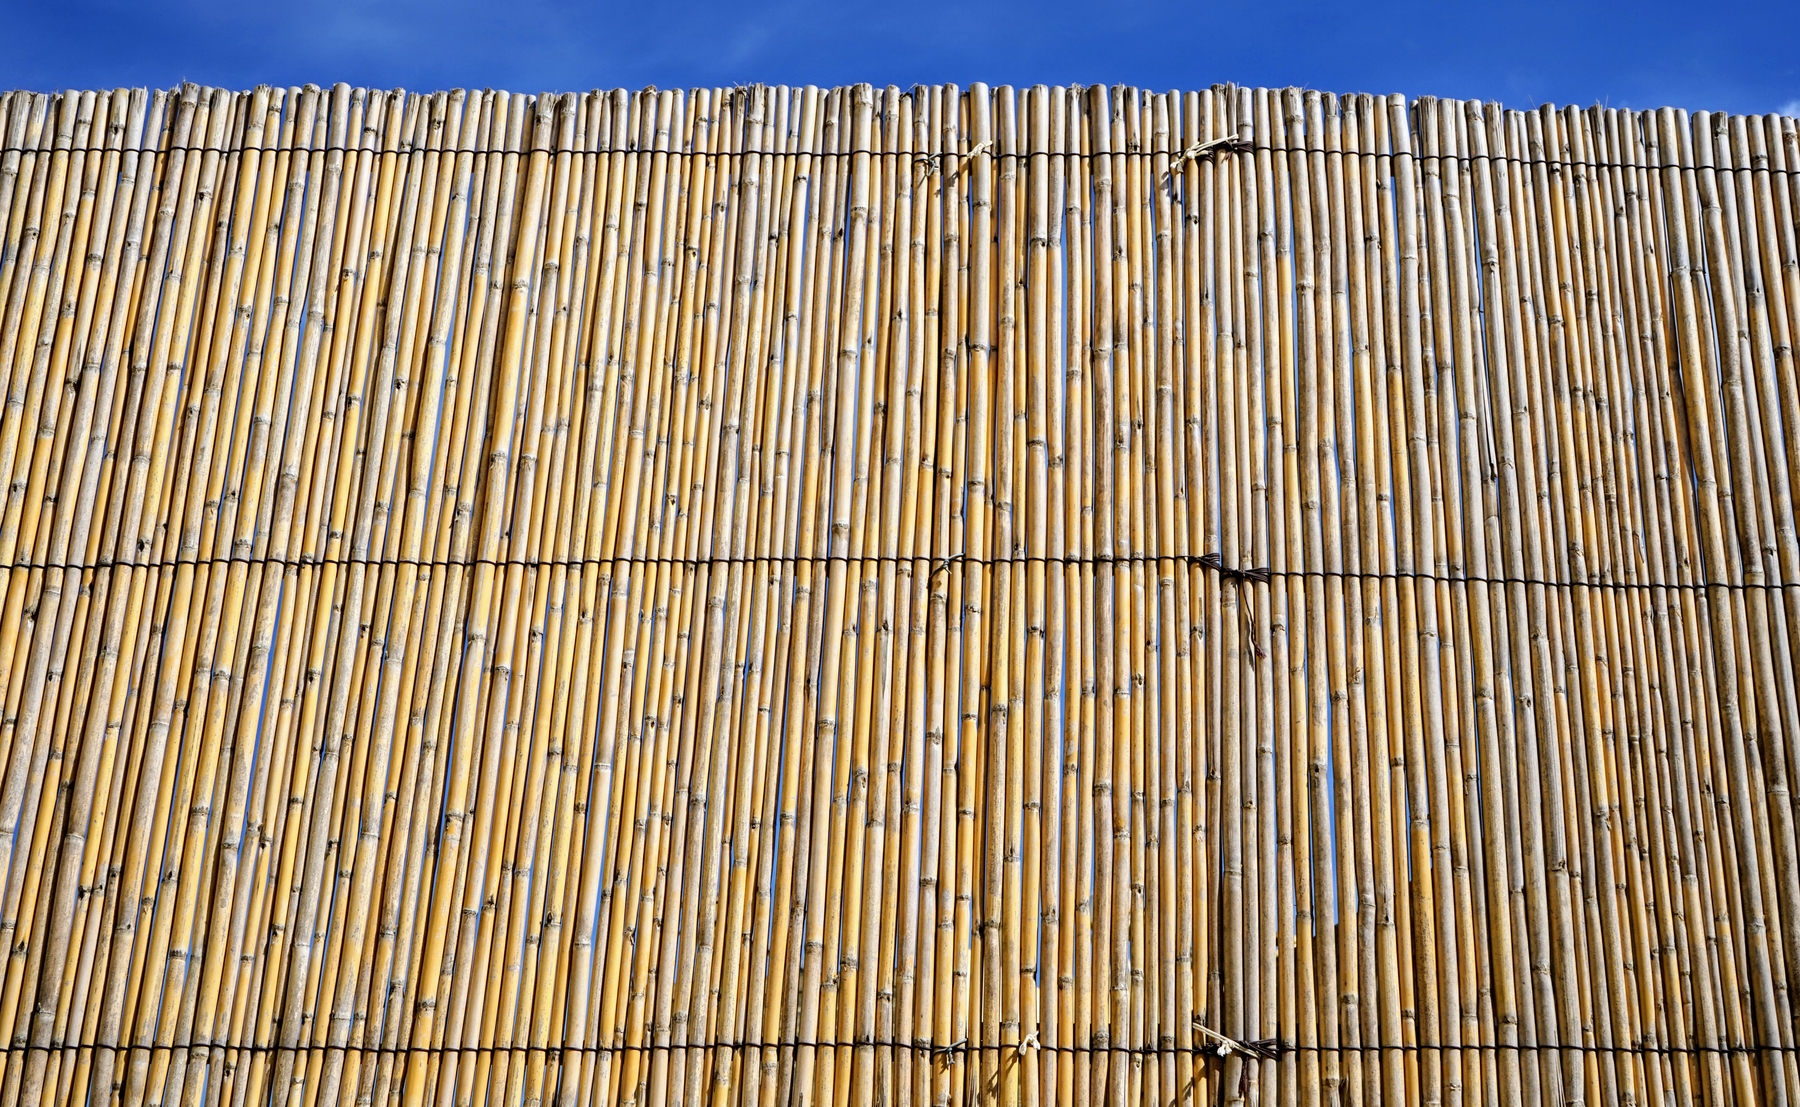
[[779, 596]]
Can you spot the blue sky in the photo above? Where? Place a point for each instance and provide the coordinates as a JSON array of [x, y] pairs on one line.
[[1717, 54]]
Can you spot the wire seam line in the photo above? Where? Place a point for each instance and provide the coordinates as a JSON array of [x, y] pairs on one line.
[[934, 561], [957, 1049], [1553, 164]]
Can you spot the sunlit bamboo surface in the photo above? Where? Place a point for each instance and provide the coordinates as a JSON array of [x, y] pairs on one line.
[[708, 597]]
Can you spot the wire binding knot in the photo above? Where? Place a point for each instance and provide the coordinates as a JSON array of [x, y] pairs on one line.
[[1262, 1049], [1241, 577], [948, 1054], [1229, 144]]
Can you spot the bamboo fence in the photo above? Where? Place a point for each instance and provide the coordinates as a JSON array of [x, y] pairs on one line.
[[795, 596]]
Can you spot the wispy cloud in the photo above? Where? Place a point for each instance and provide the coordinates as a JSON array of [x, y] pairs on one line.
[[1792, 107]]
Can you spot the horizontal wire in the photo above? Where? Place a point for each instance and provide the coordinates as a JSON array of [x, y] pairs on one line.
[[938, 1051], [1554, 164], [937, 564]]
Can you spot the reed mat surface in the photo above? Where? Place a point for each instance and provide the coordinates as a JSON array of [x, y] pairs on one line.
[[791, 596]]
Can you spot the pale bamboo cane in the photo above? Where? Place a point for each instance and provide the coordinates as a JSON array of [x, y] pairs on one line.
[[1450, 326]]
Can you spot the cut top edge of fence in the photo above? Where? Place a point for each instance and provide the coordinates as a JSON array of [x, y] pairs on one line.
[[877, 94]]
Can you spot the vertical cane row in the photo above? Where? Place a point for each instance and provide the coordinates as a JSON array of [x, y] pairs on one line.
[[789, 595]]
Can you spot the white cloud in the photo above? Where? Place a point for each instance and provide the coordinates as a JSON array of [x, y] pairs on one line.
[[1791, 108]]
